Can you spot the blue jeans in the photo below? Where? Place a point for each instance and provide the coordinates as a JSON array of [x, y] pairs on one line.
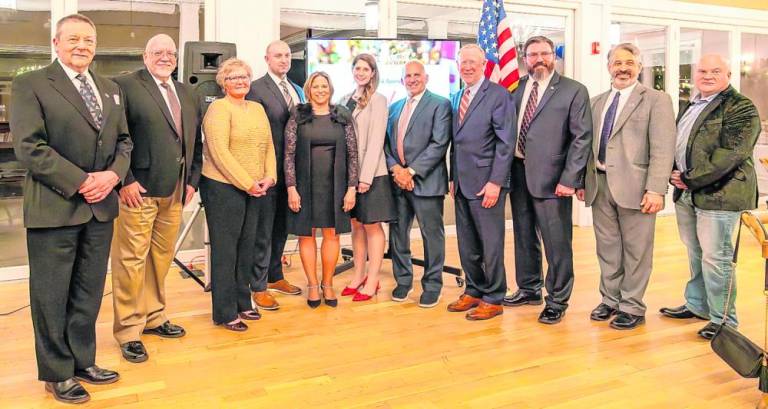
[[708, 236]]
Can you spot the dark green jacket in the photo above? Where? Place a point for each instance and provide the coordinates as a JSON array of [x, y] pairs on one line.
[[157, 153], [721, 172], [56, 139]]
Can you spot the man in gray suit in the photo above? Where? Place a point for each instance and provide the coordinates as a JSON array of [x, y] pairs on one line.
[[626, 180], [278, 95], [554, 137], [418, 133], [70, 132], [481, 152]]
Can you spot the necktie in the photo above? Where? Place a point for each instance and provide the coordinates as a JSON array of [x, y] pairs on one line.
[[89, 97], [463, 106], [605, 133], [402, 126], [530, 108], [175, 107], [286, 94]]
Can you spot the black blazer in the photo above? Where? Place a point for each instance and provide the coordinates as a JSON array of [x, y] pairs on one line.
[[265, 92], [56, 139], [156, 152]]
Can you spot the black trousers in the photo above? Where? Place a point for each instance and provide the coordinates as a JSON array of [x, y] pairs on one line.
[[279, 233], [232, 217], [542, 220], [429, 213], [67, 269], [480, 236]]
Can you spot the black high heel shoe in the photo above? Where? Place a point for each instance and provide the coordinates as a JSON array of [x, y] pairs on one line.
[[312, 303], [331, 302]]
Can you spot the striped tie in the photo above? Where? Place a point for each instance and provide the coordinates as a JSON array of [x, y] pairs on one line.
[[463, 106], [530, 108], [86, 92]]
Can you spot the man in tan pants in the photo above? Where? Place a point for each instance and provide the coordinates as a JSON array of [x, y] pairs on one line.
[[164, 121]]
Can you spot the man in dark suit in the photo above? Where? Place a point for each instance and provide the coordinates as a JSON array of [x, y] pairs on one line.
[[70, 132], [164, 122], [278, 95], [714, 178], [555, 136], [418, 133], [481, 154]]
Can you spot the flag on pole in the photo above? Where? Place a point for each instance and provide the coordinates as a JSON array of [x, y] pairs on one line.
[[494, 35]]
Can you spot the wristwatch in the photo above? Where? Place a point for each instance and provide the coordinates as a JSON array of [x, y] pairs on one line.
[[411, 171]]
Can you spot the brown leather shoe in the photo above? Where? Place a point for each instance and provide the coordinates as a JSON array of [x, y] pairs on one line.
[[485, 311], [284, 287], [464, 303], [265, 300]]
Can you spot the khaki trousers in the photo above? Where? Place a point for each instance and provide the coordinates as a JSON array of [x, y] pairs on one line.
[[142, 251]]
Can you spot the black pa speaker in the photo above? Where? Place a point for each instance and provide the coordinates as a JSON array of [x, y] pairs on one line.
[[201, 62]]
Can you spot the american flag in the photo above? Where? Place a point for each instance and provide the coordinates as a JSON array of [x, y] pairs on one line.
[[495, 37]]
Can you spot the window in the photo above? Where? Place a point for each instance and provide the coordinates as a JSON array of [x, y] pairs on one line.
[[652, 41], [693, 44]]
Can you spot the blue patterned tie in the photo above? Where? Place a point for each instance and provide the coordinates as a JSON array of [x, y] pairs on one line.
[[90, 100], [605, 133]]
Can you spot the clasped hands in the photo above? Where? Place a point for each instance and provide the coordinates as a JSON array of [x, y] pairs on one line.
[[98, 185], [260, 187], [402, 177]]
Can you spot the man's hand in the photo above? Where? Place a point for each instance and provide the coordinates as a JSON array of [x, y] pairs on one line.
[[130, 195], [189, 193], [98, 185], [651, 203], [677, 181], [564, 191], [580, 194], [490, 193], [403, 177]]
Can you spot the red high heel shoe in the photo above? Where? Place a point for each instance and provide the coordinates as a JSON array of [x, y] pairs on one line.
[[365, 297], [347, 291]]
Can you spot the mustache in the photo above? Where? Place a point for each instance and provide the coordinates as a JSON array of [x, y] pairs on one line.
[[623, 72]]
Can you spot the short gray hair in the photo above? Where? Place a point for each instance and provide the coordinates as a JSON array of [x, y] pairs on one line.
[[628, 47], [472, 46]]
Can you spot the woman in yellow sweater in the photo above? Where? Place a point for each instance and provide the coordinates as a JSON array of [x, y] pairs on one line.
[[238, 170]]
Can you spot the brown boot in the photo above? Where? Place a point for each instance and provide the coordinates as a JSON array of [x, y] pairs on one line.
[[284, 287], [464, 303], [485, 311], [265, 300]]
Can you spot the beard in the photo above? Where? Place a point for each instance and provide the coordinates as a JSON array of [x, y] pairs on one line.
[[537, 73]]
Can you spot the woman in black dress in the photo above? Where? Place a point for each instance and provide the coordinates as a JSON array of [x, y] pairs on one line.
[[321, 173]]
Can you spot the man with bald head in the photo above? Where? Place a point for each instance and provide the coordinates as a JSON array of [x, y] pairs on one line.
[[164, 121], [418, 133], [714, 179], [278, 95]]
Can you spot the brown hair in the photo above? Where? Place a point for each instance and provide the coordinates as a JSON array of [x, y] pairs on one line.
[[73, 17], [312, 78], [373, 84], [536, 40]]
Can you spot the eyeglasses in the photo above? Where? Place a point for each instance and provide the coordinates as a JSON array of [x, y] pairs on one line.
[[75, 40], [164, 53], [238, 78], [543, 54]]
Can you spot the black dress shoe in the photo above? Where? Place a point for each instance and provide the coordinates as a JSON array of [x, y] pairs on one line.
[[625, 320], [166, 330], [69, 391], [250, 315], [551, 315], [96, 376], [521, 297], [682, 312], [709, 331], [134, 351], [602, 312]]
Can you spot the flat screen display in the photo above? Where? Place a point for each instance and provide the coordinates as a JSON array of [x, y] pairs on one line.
[[335, 56]]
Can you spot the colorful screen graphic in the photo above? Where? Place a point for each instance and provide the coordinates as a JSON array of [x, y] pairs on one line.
[[335, 57]]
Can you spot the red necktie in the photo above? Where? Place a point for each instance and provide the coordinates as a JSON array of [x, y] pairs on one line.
[[402, 126], [463, 106]]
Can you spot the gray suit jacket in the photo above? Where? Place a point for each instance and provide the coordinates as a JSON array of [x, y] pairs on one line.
[[559, 138], [641, 148], [371, 129], [425, 144], [57, 140]]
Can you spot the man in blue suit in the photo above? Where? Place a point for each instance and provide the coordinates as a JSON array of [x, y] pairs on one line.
[[418, 133], [278, 95], [481, 156]]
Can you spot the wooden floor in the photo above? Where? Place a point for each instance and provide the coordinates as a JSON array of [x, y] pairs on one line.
[[383, 354]]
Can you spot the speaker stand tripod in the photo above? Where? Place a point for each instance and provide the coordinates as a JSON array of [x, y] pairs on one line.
[[180, 242]]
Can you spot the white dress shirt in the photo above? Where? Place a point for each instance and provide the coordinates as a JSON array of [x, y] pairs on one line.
[[164, 92], [543, 85], [414, 102], [88, 78], [623, 98], [291, 90]]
